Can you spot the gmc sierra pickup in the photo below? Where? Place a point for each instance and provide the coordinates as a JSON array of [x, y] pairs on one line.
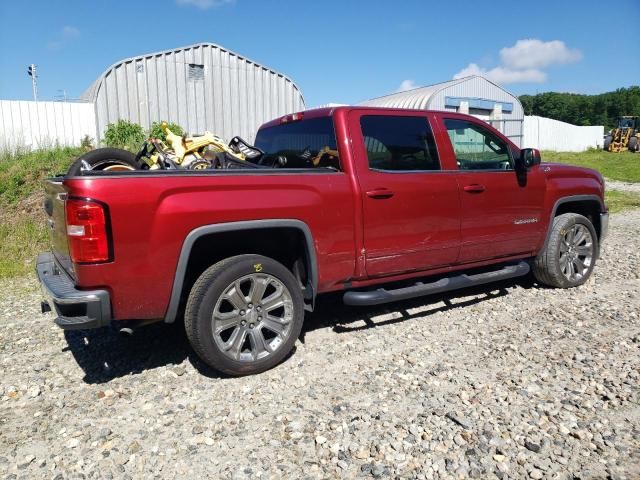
[[382, 204]]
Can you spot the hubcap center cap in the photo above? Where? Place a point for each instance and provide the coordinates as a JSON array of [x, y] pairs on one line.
[[251, 316]]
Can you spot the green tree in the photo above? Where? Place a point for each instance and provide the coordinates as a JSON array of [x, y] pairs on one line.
[[602, 109]]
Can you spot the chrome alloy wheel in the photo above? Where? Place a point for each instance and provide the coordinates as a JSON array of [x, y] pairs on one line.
[[576, 252], [253, 317]]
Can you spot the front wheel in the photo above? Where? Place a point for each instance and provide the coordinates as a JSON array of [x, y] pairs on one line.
[[570, 253], [633, 144], [104, 159], [244, 314]]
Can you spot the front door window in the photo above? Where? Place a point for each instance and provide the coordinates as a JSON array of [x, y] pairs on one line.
[[476, 147]]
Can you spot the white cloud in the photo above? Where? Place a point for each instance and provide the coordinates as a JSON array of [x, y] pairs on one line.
[[64, 36], [204, 4], [406, 85], [503, 75], [524, 62], [533, 53], [69, 32]]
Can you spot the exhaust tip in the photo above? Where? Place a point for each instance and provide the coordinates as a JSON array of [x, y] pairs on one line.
[[45, 307]]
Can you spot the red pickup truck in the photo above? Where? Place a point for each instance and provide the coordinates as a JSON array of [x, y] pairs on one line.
[[382, 204]]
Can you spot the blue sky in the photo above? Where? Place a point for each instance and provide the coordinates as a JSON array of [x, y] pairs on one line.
[[335, 50]]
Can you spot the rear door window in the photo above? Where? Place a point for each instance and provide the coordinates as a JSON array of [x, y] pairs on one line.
[[399, 143], [300, 144]]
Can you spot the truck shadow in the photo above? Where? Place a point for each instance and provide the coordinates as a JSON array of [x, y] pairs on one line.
[[331, 312], [105, 354]]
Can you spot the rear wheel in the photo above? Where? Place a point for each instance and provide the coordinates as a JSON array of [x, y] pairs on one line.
[[104, 159], [570, 254], [244, 314]]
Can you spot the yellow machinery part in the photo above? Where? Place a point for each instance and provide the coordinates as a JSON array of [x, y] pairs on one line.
[[183, 146], [324, 151], [620, 139]]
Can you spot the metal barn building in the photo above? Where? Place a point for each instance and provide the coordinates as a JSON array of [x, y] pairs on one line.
[[200, 87], [474, 95]]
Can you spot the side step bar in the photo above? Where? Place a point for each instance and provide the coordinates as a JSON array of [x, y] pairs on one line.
[[419, 289]]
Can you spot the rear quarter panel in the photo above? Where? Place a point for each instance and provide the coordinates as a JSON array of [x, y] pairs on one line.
[[151, 216]]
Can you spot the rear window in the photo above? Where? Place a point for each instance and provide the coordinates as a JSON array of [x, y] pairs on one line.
[[302, 144]]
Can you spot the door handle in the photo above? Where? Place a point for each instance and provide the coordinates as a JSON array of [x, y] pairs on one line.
[[474, 188], [380, 193]]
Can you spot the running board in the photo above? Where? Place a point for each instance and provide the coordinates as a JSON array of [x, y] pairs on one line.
[[419, 289]]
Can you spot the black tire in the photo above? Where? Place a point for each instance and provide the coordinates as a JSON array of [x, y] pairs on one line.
[[633, 144], [548, 269], [207, 298], [607, 143], [105, 159]]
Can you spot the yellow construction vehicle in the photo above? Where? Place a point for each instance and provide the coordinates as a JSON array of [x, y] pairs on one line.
[[626, 136]]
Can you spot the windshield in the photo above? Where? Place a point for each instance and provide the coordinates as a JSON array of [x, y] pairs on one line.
[[299, 144], [626, 123]]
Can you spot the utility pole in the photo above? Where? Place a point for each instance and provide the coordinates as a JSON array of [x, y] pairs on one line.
[[31, 70]]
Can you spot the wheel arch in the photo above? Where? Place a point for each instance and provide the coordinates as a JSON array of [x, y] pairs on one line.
[[589, 206], [203, 232]]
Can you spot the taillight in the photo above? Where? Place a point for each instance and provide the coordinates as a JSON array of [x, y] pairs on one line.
[[87, 231]]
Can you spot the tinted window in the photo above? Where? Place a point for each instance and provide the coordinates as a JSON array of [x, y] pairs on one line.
[[399, 143], [476, 147], [300, 144]]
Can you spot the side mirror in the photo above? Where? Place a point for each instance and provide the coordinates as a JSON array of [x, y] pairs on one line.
[[527, 159], [530, 157]]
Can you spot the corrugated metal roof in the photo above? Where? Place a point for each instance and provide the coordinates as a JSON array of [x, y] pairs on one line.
[[91, 93], [200, 87], [417, 98], [481, 94]]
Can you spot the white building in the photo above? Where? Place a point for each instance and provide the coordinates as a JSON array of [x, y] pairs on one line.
[[474, 95], [200, 87]]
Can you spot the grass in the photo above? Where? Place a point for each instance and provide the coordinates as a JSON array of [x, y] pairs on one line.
[[21, 174], [23, 232], [618, 201], [623, 166], [20, 241]]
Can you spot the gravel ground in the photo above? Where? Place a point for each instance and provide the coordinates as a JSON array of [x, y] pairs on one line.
[[515, 382], [633, 187]]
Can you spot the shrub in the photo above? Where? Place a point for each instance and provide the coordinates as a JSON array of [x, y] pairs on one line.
[[157, 132], [124, 134], [86, 143]]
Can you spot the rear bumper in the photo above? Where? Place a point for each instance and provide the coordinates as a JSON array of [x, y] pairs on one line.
[[75, 309]]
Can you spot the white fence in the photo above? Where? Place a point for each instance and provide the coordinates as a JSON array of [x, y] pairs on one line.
[[26, 124], [547, 134], [34, 125]]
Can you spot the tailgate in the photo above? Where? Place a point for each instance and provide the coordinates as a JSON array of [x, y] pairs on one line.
[[54, 204]]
